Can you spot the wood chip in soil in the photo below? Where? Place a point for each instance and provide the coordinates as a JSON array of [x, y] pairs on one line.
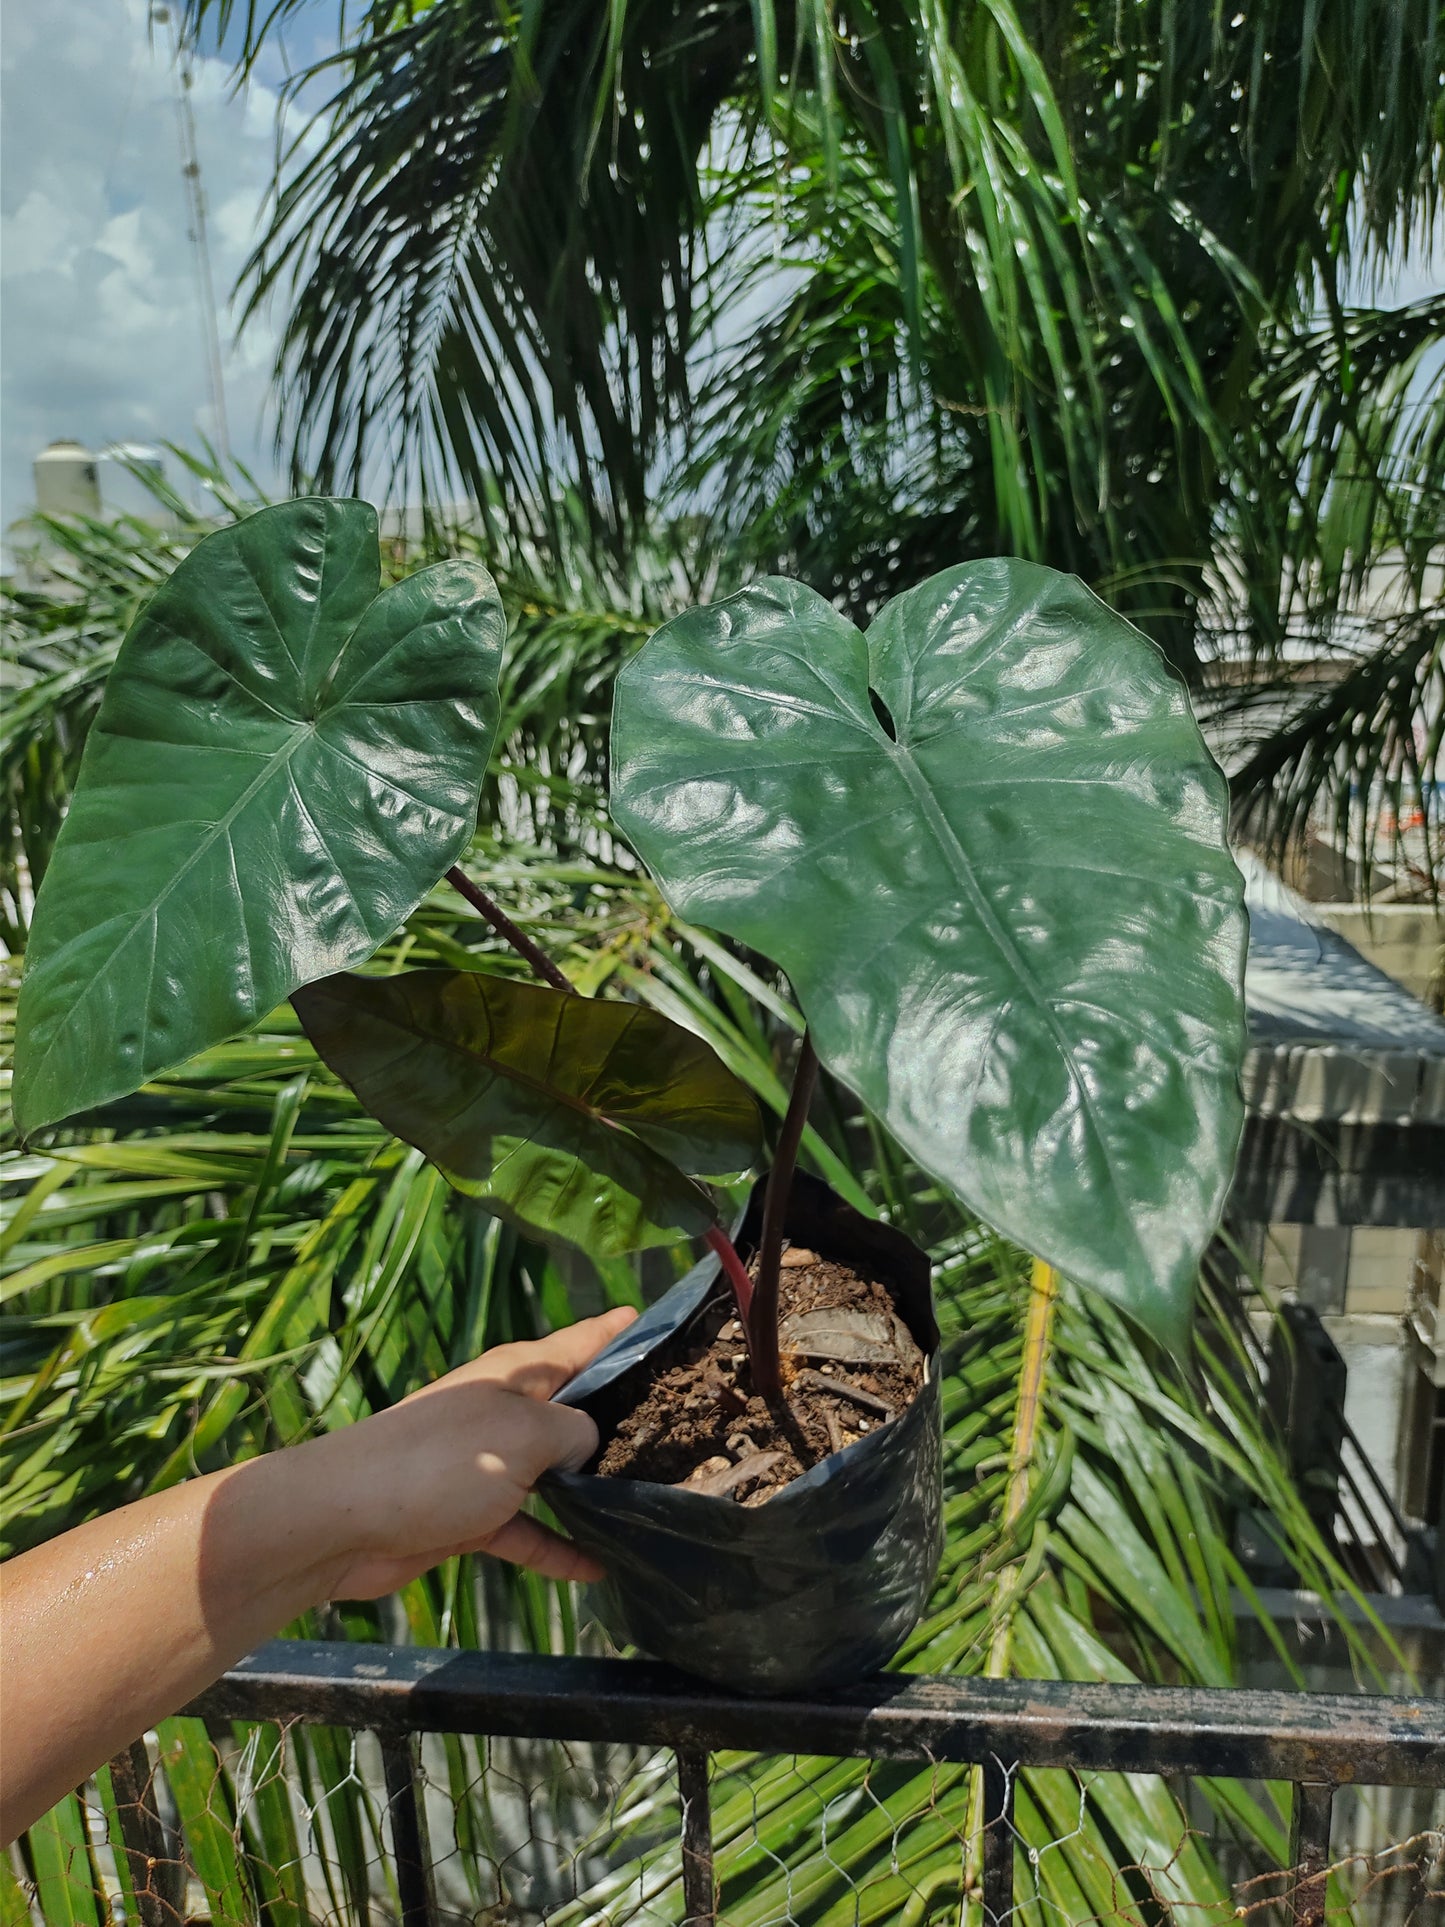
[[701, 1426]]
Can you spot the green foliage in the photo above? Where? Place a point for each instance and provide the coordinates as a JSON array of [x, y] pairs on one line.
[[1357, 747], [231, 886], [1005, 900], [237, 1256], [180, 1295], [1075, 281], [573, 619], [572, 1118], [284, 762]]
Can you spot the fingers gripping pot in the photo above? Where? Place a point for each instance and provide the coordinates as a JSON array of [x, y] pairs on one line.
[[821, 1584]]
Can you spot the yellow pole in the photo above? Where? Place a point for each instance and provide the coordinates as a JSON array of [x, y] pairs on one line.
[[1038, 1335], [1038, 1338]]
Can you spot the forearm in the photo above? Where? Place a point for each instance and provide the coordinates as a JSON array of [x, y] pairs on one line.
[[113, 1626]]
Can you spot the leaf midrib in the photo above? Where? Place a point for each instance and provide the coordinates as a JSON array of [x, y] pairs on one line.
[[472, 1053], [672, 1180], [957, 858]]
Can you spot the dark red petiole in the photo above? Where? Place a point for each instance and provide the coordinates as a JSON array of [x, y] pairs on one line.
[[543, 967], [719, 1242], [763, 1325], [496, 916]]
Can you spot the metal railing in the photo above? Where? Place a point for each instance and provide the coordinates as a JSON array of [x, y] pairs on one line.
[[1318, 1742]]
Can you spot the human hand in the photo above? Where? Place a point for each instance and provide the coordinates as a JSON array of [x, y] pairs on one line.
[[114, 1624], [447, 1470]]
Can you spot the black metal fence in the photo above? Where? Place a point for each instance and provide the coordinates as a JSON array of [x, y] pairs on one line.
[[1002, 1728]]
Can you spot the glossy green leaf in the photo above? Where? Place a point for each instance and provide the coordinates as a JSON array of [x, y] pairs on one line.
[[987, 844], [284, 763], [572, 1118]]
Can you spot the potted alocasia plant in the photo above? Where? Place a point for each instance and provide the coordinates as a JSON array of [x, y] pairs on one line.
[[986, 844]]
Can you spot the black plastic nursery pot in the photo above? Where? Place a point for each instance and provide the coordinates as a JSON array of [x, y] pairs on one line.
[[821, 1584]]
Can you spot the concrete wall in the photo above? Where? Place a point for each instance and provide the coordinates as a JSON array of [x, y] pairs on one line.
[[1405, 940], [1362, 1280]]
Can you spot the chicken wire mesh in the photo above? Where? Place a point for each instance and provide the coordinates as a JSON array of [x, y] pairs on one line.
[[260, 1825]]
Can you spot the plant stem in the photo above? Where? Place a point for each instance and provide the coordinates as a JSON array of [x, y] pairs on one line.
[[763, 1320], [496, 916], [543, 967], [720, 1243]]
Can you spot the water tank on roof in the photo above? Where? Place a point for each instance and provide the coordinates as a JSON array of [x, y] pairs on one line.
[[67, 480]]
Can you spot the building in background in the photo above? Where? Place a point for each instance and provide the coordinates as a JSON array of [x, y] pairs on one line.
[[76, 482]]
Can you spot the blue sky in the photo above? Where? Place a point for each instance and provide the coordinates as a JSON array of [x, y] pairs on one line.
[[102, 335]]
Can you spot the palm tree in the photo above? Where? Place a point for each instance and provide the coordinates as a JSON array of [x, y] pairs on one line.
[[879, 287]]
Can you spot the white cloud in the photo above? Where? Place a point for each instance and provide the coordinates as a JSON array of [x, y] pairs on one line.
[[102, 326]]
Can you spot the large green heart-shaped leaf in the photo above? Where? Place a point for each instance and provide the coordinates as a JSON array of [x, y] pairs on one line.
[[1002, 890], [572, 1118], [284, 763]]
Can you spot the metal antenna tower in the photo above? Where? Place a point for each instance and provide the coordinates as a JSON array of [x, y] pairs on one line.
[[181, 66]]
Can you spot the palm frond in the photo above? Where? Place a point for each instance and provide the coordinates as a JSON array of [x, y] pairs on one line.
[[1108, 205], [1359, 754], [1329, 676], [487, 270]]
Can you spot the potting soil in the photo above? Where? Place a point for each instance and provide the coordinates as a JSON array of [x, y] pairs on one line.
[[699, 1424]]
